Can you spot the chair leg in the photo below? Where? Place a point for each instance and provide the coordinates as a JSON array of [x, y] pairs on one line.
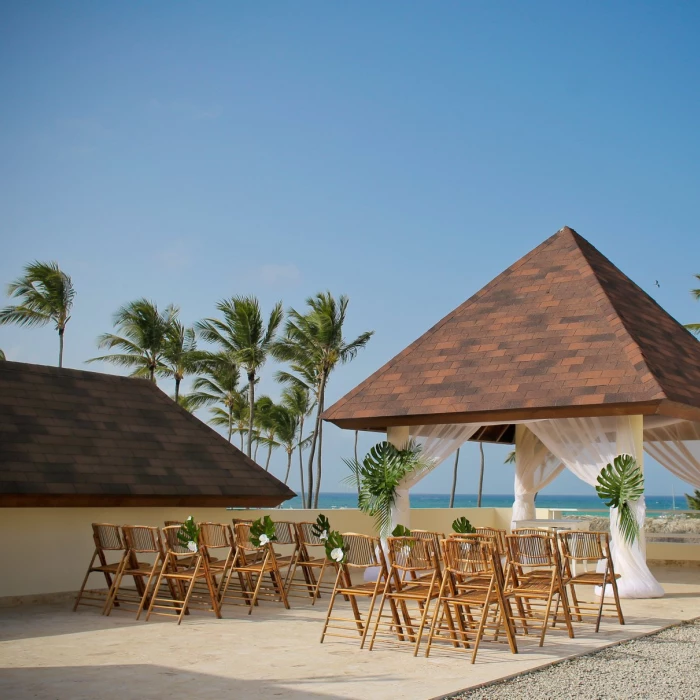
[[613, 583], [369, 613], [159, 581], [144, 597], [331, 603], [85, 580], [112, 594], [379, 614]]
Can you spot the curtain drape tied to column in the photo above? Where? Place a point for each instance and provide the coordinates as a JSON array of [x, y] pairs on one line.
[[585, 446], [535, 468], [676, 447]]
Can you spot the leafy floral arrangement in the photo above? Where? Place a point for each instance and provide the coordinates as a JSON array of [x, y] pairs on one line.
[[462, 526], [619, 484], [262, 532], [188, 535], [332, 539], [400, 531]]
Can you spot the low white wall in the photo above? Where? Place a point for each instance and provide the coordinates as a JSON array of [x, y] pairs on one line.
[[46, 550]]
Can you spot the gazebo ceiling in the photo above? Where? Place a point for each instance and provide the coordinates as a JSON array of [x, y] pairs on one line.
[[561, 333]]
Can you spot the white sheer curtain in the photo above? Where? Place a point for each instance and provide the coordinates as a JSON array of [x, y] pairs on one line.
[[438, 442], [535, 468], [585, 446], [676, 447]]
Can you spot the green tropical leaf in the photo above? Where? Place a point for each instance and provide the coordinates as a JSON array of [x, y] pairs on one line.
[[400, 531], [188, 532], [262, 526], [462, 526], [619, 484]]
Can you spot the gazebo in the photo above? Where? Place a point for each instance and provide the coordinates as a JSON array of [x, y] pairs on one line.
[[562, 355]]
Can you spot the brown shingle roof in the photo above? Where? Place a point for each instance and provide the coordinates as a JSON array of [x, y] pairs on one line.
[[562, 331], [69, 437]]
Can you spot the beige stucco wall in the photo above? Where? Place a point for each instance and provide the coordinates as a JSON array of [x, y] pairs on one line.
[[46, 550]]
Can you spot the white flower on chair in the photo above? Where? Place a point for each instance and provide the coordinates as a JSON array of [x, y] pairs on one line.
[[192, 546], [323, 536], [337, 554], [264, 539]]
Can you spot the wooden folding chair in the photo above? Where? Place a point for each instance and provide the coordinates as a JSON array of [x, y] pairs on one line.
[[471, 601], [433, 540], [312, 563], [107, 538], [414, 578], [588, 549], [252, 564], [534, 581], [141, 541], [499, 537], [179, 575], [219, 548], [362, 552]]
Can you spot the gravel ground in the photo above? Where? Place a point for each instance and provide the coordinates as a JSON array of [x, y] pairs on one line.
[[664, 665]]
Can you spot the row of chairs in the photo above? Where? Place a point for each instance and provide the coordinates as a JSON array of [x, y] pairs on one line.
[[468, 587], [226, 568]]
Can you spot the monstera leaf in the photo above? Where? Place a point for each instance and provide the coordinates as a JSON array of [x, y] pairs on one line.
[[619, 484], [462, 526], [400, 531]]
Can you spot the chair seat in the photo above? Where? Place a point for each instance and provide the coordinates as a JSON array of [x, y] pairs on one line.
[[533, 586], [360, 589], [313, 562], [143, 569], [590, 578], [415, 591], [107, 568], [284, 561]]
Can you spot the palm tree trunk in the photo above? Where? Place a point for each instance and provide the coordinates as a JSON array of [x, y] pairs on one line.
[[454, 480], [481, 475], [177, 389], [230, 425], [269, 454], [301, 463], [251, 410], [289, 465], [321, 398], [61, 331], [312, 449], [240, 432], [255, 453]]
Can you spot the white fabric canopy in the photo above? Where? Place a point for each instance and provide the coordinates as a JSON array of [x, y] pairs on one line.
[[585, 446], [535, 468], [676, 447]]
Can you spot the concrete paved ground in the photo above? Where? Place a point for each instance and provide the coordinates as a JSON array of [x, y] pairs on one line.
[[50, 653]]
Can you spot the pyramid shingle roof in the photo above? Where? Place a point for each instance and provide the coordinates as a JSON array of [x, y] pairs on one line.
[[560, 332]]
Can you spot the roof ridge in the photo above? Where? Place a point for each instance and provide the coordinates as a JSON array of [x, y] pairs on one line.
[[425, 336], [578, 239]]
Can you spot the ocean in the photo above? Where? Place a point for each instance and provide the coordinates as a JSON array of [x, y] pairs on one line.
[[582, 503]]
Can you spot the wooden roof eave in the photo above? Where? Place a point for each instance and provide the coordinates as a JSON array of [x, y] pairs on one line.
[[72, 500], [645, 408]]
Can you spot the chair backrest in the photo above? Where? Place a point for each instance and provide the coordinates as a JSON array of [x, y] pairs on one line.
[[172, 541], [215, 535], [142, 539], [362, 551], [108, 537], [168, 523], [241, 532], [467, 555], [285, 532], [530, 531], [411, 554], [305, 535], [584, 545], [497, 534], [532, 551], [433, 538]]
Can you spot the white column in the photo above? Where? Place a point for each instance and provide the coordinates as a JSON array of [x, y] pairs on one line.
[[399, 436]]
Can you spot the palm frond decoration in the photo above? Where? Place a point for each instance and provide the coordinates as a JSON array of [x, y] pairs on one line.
[[619, 484], [378, 475], [693, 500]]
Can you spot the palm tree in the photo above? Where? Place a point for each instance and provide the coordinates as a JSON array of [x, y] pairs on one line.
[[287, 431], [314, 343], [185, 400], [266, 423], [218, 387], [46, 295], [481, 475], [180, 356], [693, 500], [297, 399], [244, 335], [144, 338], [454, 480], [695, 327], [2, 355]]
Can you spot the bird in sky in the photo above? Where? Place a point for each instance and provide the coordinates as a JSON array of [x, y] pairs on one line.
[[656, 282]]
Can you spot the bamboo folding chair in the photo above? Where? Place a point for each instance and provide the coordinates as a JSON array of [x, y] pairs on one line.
[[414, 577], [534, 580], [433, 540], [312, 568], [251, 564], [362, 552], [217, 538], [181, 571], [499, 538], [140, 541], [589, 548], [471, 601], [107, 538]]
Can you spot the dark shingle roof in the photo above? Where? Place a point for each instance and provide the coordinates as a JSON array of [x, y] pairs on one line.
[[562, 331], [69, 437]]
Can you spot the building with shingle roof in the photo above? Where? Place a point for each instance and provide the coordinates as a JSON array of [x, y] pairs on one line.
[[76, 438], [560, 333]]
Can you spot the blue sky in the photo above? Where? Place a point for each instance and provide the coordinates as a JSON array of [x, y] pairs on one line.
[[401, 153]]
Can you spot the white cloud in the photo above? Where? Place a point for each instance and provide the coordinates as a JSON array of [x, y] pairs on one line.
[[279, 274]]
